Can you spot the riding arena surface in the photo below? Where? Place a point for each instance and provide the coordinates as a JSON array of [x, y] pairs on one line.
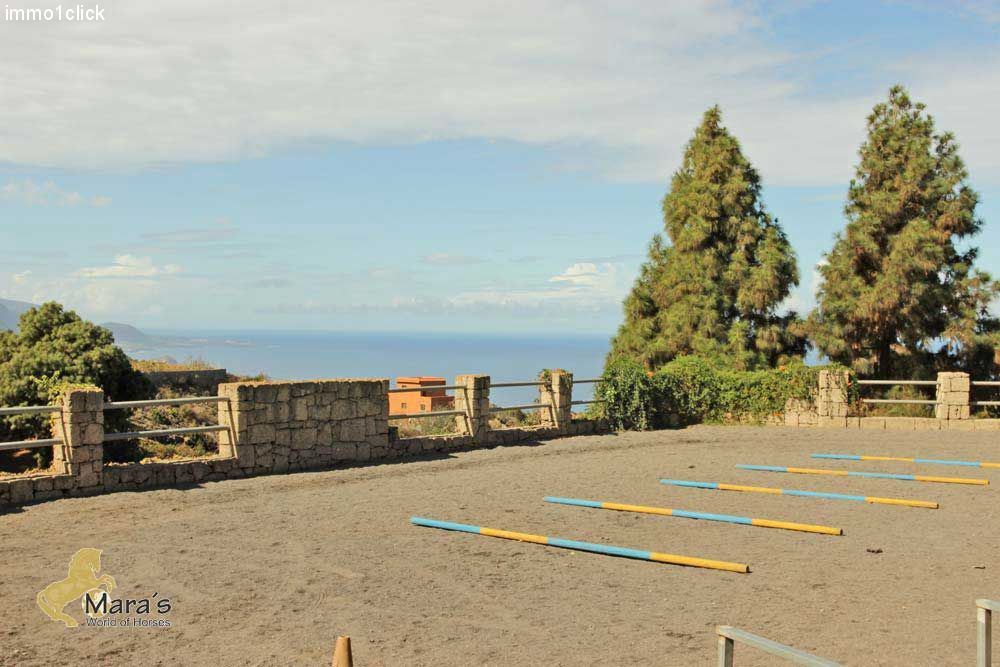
[[270, 570]]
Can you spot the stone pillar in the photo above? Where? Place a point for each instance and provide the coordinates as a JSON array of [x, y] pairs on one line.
[[80, 425], [236, 413], [953, 390], [474, 399], [558, 396], [832, 398]]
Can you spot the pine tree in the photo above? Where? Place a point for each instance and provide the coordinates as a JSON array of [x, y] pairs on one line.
[[895, 285], [715, 288]]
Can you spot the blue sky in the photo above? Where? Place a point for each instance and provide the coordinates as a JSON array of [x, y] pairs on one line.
[[464, 167]]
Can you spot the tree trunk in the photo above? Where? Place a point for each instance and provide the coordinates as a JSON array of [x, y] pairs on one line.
[[883, 364]]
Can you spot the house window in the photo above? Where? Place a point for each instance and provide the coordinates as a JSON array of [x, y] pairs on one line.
[[423, 407], [402, 405]]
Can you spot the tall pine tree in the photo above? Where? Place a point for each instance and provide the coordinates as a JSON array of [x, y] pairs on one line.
[[715, 288], [896, 284]]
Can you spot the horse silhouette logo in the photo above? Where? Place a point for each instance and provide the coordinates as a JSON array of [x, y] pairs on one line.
[[84, 579]]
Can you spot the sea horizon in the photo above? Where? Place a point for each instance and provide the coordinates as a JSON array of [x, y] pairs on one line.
[[313, 354]]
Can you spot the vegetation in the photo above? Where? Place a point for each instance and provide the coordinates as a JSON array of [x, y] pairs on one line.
[[899, 298], [54, 347], [167, 364], [715, 289], [690, 390]]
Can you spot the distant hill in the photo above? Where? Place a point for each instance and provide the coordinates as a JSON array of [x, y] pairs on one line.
[[126, 333], [10, 311]]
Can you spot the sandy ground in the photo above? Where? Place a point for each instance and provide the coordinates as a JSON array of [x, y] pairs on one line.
[[270, 570]]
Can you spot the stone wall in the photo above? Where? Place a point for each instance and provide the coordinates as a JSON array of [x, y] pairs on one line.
[[278, 427], [282, 426], [830, 409]]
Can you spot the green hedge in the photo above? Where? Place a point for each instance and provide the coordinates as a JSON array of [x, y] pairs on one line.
[[690, 390]]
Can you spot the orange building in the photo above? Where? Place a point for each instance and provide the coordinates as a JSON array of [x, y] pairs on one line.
[[425, 400]]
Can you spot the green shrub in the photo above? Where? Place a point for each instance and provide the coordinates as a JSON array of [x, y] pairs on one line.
[[53, 347], [628, 401], [691, 390]]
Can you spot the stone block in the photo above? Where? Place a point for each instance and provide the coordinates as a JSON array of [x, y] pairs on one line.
[[304, 438], [961, 425], [266, 393], [342, 409], [64, 482], [95, 401], [246, 456], [21, 491], [87, 476], [876, 423], [986, 424], [199, 470], [164, 475], [320, 412], [352, 430], [300, 389], [300, 408], [344, 451], [262, 433], [899, 424], [93, 434], [184, 473], [75, 401], [956, 412]]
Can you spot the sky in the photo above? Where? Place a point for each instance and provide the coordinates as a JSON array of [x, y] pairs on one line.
[[438, 166]]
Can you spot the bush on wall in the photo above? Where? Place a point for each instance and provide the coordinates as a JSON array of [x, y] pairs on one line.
[[691, 390]]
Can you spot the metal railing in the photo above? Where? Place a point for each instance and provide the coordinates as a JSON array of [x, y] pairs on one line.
[[899, 401], [432, 413], [984, 631], [728, 636], [164, 432], [438, 387], [987, 384], [529, 406], [587, 381], [29, 410], [125, 405]]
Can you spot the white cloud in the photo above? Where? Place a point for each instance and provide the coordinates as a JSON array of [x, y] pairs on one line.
[[583, 285], [614, 88], [449, 259], [21, 278], [31, 193], [129, 266], [804, 298]]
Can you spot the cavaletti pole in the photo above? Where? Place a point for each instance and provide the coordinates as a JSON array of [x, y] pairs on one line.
[[875, 500], [726, 518], [873, 475], [940, 462], [584, 546]]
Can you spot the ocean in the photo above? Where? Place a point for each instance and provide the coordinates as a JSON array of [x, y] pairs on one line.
[[303, 355]]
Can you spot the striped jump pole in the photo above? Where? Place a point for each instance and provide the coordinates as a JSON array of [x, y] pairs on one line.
[[584, 546], [719, 486], [726, 518], [857, 473], [940, 462]]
